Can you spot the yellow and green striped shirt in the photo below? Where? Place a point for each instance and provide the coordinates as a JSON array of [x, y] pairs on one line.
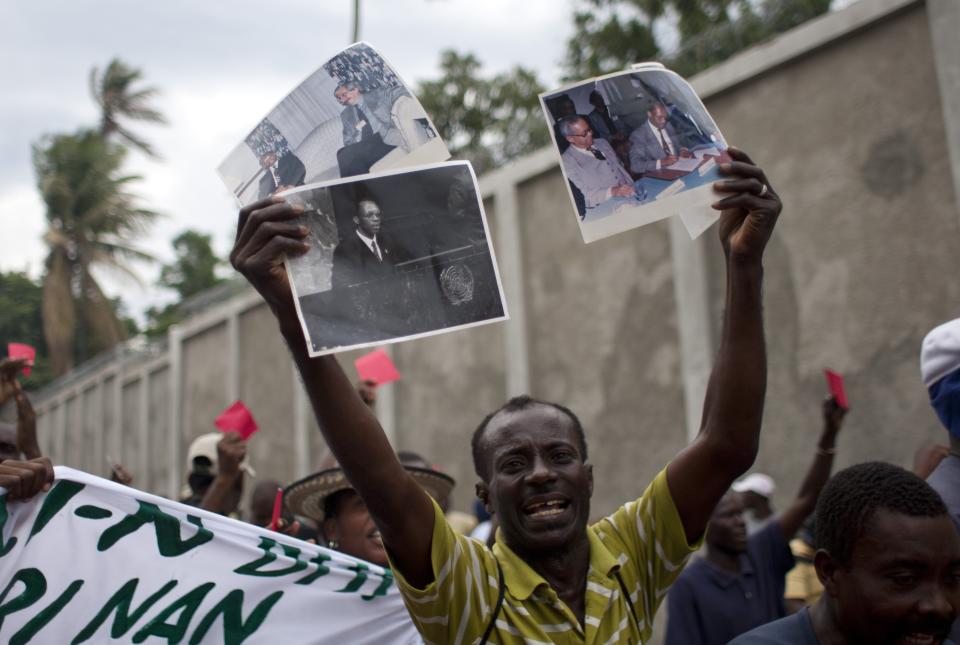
[[643, 540]]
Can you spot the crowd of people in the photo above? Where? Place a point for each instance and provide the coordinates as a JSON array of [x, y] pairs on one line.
[[869, 555]]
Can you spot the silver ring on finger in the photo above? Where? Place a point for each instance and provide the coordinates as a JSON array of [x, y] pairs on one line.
[[763, 190]]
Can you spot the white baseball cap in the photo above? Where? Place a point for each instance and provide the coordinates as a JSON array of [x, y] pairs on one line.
[[756, 483], [940, 352], [206, 446]]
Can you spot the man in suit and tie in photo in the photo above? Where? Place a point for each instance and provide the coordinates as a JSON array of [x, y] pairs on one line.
[[592, 165], [280, 173], [656, 144], [369, 132]]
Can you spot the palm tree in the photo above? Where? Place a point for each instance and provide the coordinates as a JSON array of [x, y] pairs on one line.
[[113, 91], [91, 218]]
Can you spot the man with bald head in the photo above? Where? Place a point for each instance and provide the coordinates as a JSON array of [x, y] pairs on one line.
[[591, 164]]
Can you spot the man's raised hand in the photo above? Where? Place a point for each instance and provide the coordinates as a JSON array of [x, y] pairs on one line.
[[749, 213], [265, 235]]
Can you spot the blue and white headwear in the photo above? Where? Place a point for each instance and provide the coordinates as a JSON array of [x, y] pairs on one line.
[[940, 369]]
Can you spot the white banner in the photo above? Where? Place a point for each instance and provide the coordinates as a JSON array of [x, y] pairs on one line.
[[94, 562]]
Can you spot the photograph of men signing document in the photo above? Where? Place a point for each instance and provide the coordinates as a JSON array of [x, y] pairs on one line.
[[353, 116], [628, 143], [394, 256]]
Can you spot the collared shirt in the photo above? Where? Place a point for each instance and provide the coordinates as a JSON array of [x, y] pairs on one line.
[[709, 605], [643, 541], [792, 630], [369, 242]]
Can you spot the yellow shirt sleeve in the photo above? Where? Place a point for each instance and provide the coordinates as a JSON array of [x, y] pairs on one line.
[[458, 604]]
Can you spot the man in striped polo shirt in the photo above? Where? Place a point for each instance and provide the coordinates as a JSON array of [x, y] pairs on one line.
[[550, 577]]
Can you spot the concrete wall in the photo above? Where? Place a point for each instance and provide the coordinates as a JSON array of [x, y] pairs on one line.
[[845, 115]]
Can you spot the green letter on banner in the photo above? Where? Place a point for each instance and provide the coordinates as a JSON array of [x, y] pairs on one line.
[[35, 585], [120, 603], [167, 528], [267, 544], [175, 632], [235, 630]]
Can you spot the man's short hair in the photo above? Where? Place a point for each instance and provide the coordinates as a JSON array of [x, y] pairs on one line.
[[594, 94], [566, 124], [515, 404], [855, 494], [347, 85]]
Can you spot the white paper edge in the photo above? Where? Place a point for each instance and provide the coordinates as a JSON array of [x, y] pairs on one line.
[[698, 220], [427, 334]]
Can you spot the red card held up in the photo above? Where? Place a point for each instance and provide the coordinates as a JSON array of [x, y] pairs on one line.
[[377, 367], [238, 418], [835, 383], [19, 350]]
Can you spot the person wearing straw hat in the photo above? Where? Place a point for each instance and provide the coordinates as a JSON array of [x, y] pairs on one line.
[[328, 499], [549, 577]]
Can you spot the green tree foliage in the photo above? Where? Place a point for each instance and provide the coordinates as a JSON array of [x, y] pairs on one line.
[[92, 218], [195, 266], [21, 321], [119, 101], [610, 35], [486, 120], [192, 271]]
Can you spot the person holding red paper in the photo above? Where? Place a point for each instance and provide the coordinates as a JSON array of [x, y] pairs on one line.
[[740, 583], [216, 463], [20, 441]]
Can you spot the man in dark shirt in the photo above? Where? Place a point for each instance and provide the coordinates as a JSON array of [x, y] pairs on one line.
[[940, 369], [889, 561], [739, 584]]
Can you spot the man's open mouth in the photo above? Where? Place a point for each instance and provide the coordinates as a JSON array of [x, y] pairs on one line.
[[546, 508]]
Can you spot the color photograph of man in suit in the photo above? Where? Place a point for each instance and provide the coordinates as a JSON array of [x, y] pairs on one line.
[[369, 132], [592, 165], [280, 173], [656, 144]]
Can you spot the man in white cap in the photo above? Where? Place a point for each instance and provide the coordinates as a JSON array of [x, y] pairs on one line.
[[216, 462], [755, 490], [940, 370]]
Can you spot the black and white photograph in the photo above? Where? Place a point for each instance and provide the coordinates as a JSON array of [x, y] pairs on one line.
[[635, 147], [353, 116], [400, 255]]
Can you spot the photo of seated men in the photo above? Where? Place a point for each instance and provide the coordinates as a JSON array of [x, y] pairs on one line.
[[352, 116], [394, 256], [626, 138]]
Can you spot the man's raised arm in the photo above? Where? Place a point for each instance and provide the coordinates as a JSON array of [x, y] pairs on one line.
[[266, 232], [733, 407]]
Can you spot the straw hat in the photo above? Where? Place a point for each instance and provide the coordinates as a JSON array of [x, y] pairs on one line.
[[306, 496]]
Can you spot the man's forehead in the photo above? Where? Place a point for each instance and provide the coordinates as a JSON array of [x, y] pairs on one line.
[[511, 428], [889, 536]]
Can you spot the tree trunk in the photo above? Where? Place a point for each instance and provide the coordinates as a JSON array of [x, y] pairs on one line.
[[59, 315]]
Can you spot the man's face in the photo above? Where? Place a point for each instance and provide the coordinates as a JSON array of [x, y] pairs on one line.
[[347, 96], [580, 135], [354, 530], [539, 485], [658, 115], [902, 584], [368, 218], [268, 159], [727, 531], [8, 442]]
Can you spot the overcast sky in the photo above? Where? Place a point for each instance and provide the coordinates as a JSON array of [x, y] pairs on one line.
[[221, 66]]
